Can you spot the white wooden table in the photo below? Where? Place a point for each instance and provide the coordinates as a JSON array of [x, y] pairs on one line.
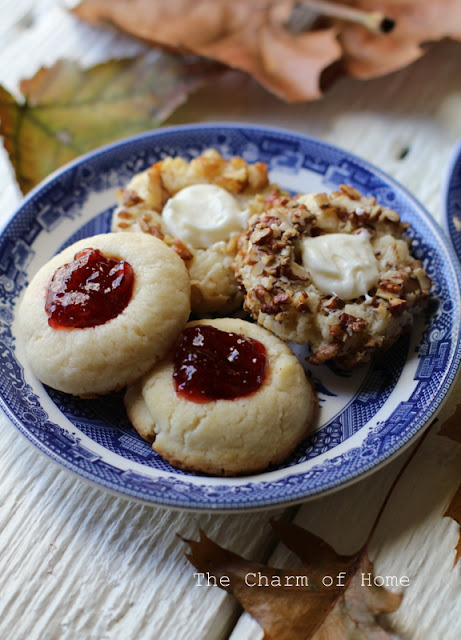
[[79, 563]]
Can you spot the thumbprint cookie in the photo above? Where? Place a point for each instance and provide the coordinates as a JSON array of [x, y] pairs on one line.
[[230, 399], [199, 208], [98, 315]]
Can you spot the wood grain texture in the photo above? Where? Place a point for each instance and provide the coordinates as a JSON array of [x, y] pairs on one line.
[[79, 563]]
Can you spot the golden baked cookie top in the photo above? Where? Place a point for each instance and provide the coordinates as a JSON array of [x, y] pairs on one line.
[[96, 357], [198, 208], [240, 424]]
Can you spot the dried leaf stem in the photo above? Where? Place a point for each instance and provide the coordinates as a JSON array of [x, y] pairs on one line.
[[375, 21], [395, 483]]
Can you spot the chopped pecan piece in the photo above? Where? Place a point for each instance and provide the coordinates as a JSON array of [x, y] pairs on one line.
[[326, 353], [260, 292], [317, 231], [375, 212], [181, 249], [385, 295], [258, 269], [274, 199], [155, 231], [335, 330], [275, 306], [269, 220], [301, 302], [347, 321], [322, 200], [130, 198], [390, 215], [231, 184], [294, 271], [259, 236], [396, 306], [334, 303], [268, 259], [282, 298], [411, 285], [350, 191], [271, 309], [391, 287], [258, 176], [268, 282], [423, 279], [277, 245]]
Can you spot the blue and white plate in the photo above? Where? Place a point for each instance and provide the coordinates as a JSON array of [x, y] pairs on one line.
[[365, 417], [451, 205]]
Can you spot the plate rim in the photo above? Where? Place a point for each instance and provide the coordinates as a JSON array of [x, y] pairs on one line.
[[255, 504], [454, 159]]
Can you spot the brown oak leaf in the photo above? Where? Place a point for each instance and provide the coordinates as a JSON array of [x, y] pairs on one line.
[[451, 428], [454, 511], [330, 596], [367, 54], [259, 37], [250, 36], [68, 110]]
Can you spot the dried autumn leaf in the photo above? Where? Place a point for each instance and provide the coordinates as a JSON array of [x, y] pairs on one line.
[[68, 110], [250, 36], [302, 604], [257, 37], [451, 428], [367, 55], [454, 511]]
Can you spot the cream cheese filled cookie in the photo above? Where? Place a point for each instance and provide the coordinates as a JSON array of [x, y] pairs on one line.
[[231, 398], [199, 208], [334, 271], [98, 315]]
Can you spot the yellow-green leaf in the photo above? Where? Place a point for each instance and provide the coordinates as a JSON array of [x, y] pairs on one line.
[[68, 110]]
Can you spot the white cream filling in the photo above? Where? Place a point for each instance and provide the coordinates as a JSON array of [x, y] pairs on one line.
[[203, 214], [341, 264]]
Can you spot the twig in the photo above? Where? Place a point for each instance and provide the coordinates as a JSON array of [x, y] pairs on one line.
[[301, 16], [395, 483]]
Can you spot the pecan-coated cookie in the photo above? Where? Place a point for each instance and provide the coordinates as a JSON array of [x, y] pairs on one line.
[[331, 270]]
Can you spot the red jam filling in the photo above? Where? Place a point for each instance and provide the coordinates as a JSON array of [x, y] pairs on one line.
[[90, 290], [211, 364]]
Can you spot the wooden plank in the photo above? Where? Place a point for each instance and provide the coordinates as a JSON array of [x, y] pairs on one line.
[[408, 124], [413, 539], [80, 563]]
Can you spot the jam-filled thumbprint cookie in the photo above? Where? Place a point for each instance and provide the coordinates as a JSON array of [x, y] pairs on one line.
[[229, 399], [98, 315], [199, 208]]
